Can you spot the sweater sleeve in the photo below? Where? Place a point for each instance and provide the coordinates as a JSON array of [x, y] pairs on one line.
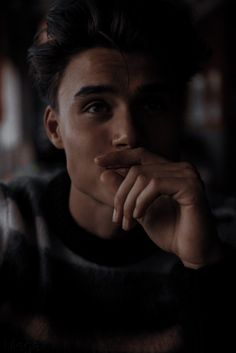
[[207, 299]]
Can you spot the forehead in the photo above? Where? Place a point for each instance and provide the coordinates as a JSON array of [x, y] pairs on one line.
[[101, 66]]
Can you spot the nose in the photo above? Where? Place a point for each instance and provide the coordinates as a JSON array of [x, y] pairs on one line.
[[125, 131]]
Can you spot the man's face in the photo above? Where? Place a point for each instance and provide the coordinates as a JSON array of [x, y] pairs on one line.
[[107, 102]]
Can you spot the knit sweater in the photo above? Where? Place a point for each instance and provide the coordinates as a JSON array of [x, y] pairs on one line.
[[64, 289]]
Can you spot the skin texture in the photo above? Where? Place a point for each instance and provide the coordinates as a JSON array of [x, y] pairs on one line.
[[118, 125]]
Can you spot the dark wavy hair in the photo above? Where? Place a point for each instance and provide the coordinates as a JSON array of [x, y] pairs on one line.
[[162, 28]]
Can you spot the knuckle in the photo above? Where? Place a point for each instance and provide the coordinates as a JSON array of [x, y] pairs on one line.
[[154, 182], [134, 170], [194, 185], [189, 170], [142, 179], [142, 152]]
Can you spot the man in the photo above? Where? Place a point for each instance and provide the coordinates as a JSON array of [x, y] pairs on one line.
[[117, 253]]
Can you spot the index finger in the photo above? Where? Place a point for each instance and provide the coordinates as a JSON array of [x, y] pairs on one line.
[[128, 158]]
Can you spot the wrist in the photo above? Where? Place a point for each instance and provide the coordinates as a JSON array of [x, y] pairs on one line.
[[214, 256]]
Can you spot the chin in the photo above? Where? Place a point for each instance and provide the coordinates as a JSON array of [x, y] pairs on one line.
[[100, 196], [106, 199]]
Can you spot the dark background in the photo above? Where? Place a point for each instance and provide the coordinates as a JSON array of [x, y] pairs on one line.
[[210, 114]]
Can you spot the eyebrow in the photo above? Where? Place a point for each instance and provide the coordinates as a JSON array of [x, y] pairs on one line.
[[150, 88], [95, 89]]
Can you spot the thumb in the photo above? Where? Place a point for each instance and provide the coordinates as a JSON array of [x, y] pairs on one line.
[[112, 180]]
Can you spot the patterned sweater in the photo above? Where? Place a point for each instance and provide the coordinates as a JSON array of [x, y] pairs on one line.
[[63, 289]]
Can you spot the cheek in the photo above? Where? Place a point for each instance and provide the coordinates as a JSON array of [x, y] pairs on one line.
[[81, 147], [80, 139]]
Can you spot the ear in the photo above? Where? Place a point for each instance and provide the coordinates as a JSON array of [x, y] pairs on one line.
[[52, 127]]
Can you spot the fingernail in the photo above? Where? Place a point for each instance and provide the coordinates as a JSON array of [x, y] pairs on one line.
[[125, 224], [115, 216]]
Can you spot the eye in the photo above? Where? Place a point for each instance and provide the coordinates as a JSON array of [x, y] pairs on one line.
[[97, 107]]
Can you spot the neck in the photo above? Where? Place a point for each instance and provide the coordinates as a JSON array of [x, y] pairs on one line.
[[91, 214]]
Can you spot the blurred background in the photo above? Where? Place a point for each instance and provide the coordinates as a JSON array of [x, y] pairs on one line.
[[210, 112]]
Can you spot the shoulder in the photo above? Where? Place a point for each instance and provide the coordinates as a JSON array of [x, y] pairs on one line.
[[28, 191], [22, 203], [22, 199]]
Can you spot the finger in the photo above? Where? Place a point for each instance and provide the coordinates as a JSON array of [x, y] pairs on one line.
[[112, 180], [145, 199], [119, 158], [122, 193], [128, 157], [130, 202], [167, 171], [162, 170], [186, 192]]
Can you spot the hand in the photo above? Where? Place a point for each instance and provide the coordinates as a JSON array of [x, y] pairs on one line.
[[167, 199]]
